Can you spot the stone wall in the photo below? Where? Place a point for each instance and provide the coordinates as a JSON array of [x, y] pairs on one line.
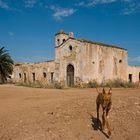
[[135, 72], [91, 61], [34, 72]]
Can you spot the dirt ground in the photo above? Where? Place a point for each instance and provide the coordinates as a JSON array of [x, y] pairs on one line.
[[66, 114]]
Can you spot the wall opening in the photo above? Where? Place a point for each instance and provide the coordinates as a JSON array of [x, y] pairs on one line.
[[20, 75], [70, 75], [64, 40], [120, 61], [24, 77], [51, 77], [130, 78], [9, 77], [33, 74], [139, 76], [70, 47], [58, 41], [44, 74]]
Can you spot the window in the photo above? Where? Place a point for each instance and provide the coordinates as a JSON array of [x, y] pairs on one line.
[[70, 47], [19, 75], [64, 40], [9, 77], [33, 74], [25, 77], [130, 78], [51, 77], [120, 61], [58, 41], [44, 75], [139, 76]]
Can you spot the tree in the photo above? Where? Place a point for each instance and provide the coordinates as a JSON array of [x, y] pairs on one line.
[[6, 65]]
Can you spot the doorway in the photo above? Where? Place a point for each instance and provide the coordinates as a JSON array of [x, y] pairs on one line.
[[24, 77], [130, 78], [70, 75]]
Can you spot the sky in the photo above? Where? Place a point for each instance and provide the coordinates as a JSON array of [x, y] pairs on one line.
[[28, 27]]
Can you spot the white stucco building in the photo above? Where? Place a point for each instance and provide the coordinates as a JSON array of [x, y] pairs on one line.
[[79, 60]]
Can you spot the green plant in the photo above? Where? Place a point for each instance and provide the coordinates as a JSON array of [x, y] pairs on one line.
[[58, 85], [6, 65], [92, 84]]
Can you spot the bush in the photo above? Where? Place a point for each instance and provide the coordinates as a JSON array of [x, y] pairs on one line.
[[118, 83], [58, 85], [92, 84]]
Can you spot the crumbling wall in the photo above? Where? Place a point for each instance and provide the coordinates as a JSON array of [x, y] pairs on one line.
[[135, 72], [23, 72], [102, 63]]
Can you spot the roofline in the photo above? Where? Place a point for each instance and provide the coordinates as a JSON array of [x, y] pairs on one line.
[[44, 61], [22, 63], [100, 43], [61, 32], [96, 43]]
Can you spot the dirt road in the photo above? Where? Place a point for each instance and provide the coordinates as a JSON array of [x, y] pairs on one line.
[[68, 114]]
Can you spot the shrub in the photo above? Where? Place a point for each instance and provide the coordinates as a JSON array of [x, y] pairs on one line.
[[58, 85], [92, 84]]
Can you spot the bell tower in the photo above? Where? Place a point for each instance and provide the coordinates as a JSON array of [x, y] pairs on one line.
[[60, 38]]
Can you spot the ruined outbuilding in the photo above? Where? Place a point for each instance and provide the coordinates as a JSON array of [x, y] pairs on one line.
[[78, 61]]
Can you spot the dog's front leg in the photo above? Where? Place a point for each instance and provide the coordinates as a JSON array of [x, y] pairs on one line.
[[103, 121], [108, 109], [108, 127]]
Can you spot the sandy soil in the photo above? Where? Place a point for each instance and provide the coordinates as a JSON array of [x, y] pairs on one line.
[[69, 114]]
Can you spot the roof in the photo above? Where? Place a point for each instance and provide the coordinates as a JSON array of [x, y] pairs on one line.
[[100, 43], [22, 63], [92, 42], [61, 32]]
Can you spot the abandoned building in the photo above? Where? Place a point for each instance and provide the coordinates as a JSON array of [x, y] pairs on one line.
[[78, 61]]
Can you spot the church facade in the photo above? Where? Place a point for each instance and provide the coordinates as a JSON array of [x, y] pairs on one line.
[[78, 61]]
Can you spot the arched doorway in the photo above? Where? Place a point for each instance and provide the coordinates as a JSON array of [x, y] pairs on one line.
[[70, 75]]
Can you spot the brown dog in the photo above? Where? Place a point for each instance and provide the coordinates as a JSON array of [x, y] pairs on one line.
[[104, 99]]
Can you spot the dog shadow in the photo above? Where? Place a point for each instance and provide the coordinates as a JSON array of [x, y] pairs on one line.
[[97, 125]]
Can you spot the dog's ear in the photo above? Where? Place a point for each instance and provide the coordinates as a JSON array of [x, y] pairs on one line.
[[97, 90], [110, 91], [103, 91]]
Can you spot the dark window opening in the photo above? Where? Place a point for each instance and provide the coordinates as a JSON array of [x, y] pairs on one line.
[[130, 78], [51, 77], [33, 77], [44, 75], [64, 40], [9, 77], [58, 41], [25, 77], [19, 75], [120, 61], [70, 47], [139, 76]]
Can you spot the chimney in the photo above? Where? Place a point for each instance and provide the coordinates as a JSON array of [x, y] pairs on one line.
[[71, 34]]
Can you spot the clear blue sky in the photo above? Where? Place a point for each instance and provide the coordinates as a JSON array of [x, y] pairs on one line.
[[27, 27]]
